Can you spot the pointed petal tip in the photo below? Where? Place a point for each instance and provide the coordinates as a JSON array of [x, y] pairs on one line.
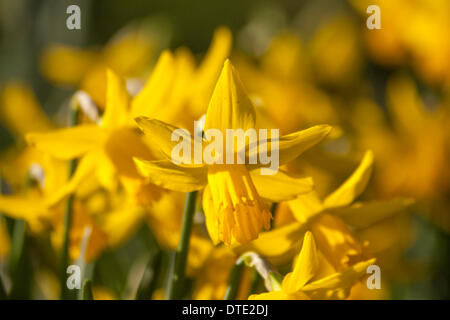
[[368, 158], [166, 54], [140, 121], [109, 72], [222, 30], [227, 69]]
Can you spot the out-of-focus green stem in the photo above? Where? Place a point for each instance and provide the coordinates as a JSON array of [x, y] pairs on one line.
[[87, 290], [234, 280], [18, 240], [255, 282], [150, 277], [179, 268], [73, 117], [17, 264], [3, 295]]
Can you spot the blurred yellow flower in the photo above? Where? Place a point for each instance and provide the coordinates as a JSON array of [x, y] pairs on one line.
[[304, 283], [128, 53], [106, 149], [331, 221], [414, 32]]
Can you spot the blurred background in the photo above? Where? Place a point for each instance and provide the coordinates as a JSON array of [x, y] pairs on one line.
[[308, 61]]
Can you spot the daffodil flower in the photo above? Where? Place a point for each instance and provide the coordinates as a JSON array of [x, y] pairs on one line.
[[106, 148], [330, 220], [128, 53], [280, 82], [424, 44], [114, 224], [414, 140], [232, 200], [305, 281]]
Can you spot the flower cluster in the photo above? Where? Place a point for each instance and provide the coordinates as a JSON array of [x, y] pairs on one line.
[[102, 187]]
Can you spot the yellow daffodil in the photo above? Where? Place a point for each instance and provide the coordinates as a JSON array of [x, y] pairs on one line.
[[115, 224], [280, 86], [20, 111], [34, 204], [414, 32], [233, 207], [305, 281], [106, 149], [336, 52], [128, 53], [329, 220], [415, 141]]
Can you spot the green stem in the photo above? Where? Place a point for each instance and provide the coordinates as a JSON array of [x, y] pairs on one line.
[[73, 117], [255, 282], [150, 277], [179, 268], [3, 295], [18, 240], [234, 280], [87, 290]]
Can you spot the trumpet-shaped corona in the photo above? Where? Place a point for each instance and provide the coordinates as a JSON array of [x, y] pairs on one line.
[[241, 214]]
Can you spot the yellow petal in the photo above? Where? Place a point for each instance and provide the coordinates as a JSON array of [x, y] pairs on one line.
[[353, 186], [160, 133], [280, 186], [230, 107], [106, 172], [68, 143], [116, 109], [208, 72], [278, 245], [364, 214], [21, 207], [213, 216], [306, 206], [147, 102], [29, 208], [66, 65], [94, 83], [274, 295], [292, 145], [141, 191], [122, 146], [129, 51], [170, 176], [85, 168], [405, 105], [336, 241], [340, 280], [175, 105], [305, 266], [20, 111], [120, 224]]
